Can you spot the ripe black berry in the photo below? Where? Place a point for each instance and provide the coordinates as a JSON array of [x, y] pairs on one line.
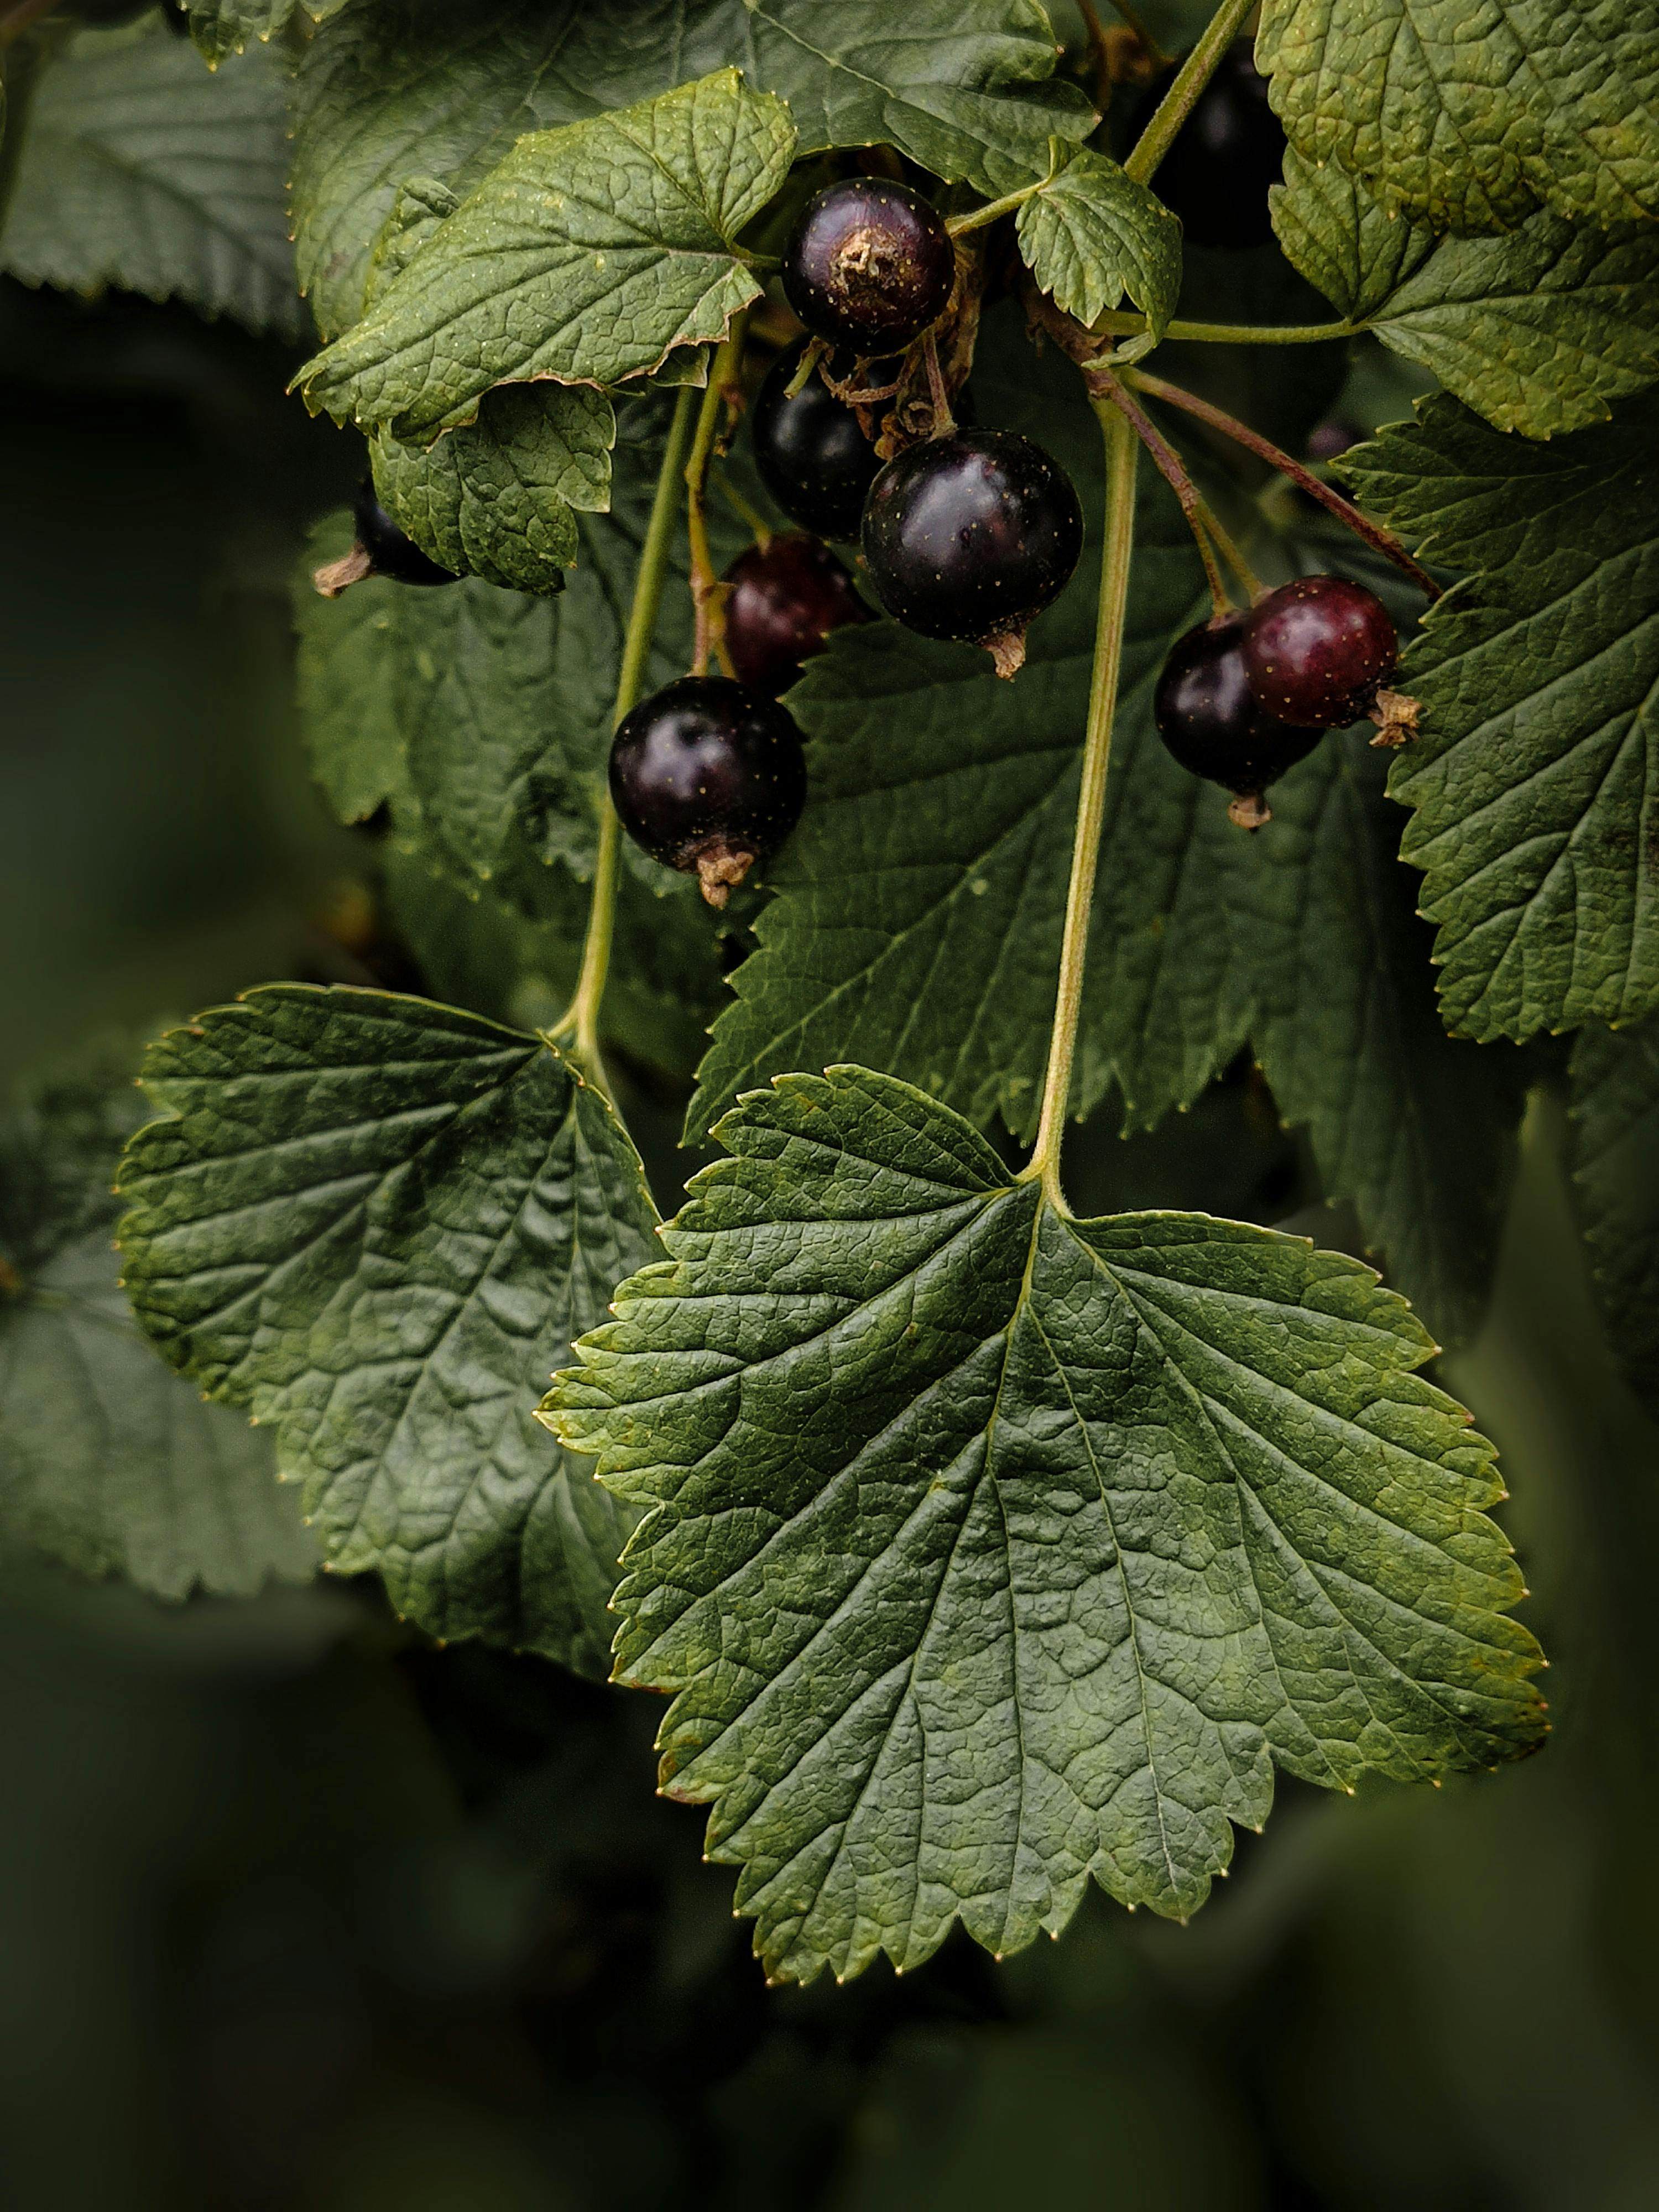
[[869, 264], [708, 776], [1225, 156], [971, 536], [390, 552], [1212, 723], [813, 456], [1318, 651], [786, 597]]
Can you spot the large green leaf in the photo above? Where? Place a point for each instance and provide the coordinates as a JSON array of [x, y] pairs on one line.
[[1093, 235], [1615, 1104], [379, 1222], [107, 1462], [224, 27], [1538, 330], [1470, 113], [396, 88], [141, 169], [1531, 781], [587, 255], [988, 1549]]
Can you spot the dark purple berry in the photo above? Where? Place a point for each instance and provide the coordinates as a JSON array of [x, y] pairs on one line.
[[786, 597], [708, 777], [1214, 725], [390, 552], [813, 458], [869, 264], [1318, 651], [971, 536], [1225, 156]]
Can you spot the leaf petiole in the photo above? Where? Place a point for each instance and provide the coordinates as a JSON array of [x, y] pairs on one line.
[[1181, 98], [580, 1020]]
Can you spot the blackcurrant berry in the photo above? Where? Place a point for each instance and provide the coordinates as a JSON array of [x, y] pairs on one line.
[[390, 552], [1225, 156], [1212, 723], [971, 536], [868, 265], [786, 597], [813, 458], [708, 776], [1318, 651]]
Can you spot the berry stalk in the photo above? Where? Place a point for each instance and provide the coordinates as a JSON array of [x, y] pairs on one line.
[[581, 1018], [1117, 542], [1104, 386], [706, 591], [1181, 98]]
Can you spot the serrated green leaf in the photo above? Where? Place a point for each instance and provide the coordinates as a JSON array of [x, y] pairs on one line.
[[377, 1224], [1539, 330], [1615, 1106], [1538, 677], [1470, 113], [587, 255], [107, 1462], [1093, 235], [140, 168], [400, 87], [224, 27], [987, 1550]]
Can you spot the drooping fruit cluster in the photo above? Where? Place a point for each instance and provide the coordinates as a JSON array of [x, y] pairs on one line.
[[708, 777], [380, 549], [971, 536], [813, 456], [785, 597], [1226, 155], [869, 265], [1244, 697]]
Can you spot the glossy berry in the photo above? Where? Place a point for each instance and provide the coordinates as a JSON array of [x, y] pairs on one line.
[[390, 552], [786, 597], [868, 265], [813, 458], [971, 535], [1225, 156], [1212, 722], [1318, 651], [708, 776]]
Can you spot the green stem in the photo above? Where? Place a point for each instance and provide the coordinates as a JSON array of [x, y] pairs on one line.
[[1120, 324], [1178, 103], [1103, 385], [581, 1018], [1043, 1166], [705, 584], [978, 218]]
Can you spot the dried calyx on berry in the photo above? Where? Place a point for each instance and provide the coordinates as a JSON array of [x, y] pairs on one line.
[[1225, 156], [812, 455], [380, 549], [708, 777], [783, 598], [971, 536], [1212, 722], [869, 265], [1320, 651]]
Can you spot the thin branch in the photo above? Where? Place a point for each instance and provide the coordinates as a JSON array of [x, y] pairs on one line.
[[1178, 103], [707, 592], [1103, 385]]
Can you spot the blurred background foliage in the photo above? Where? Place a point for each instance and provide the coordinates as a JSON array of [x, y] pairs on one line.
[[298, 1913]]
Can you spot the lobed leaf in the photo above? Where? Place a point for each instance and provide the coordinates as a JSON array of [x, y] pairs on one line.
[[1538, 677], [987, 1550], [1615, 1106], [1467, 114], [140, 169], [587, 255], [1093, 235], [377, 1224]]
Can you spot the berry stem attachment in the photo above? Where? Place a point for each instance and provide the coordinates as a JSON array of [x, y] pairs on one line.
[[751, 517], [980, 218], [944, 421], [1043, 1166], [1178, 103], [1103, 385], [580, 1020], [1381, 541], [707, 592]]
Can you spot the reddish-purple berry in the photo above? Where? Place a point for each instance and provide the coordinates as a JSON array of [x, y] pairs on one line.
[[786, 597], [1318, 651], [1212, 724]]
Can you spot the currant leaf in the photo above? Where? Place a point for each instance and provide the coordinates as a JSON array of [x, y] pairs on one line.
[[587, 255], [1538, 330], [1092, 235], [224, 27], [377, 1224], [987, 1550], [138, 167], [396, 87], [1615, 1106], [1537, 679], [107, 1462], [1470, 116]]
